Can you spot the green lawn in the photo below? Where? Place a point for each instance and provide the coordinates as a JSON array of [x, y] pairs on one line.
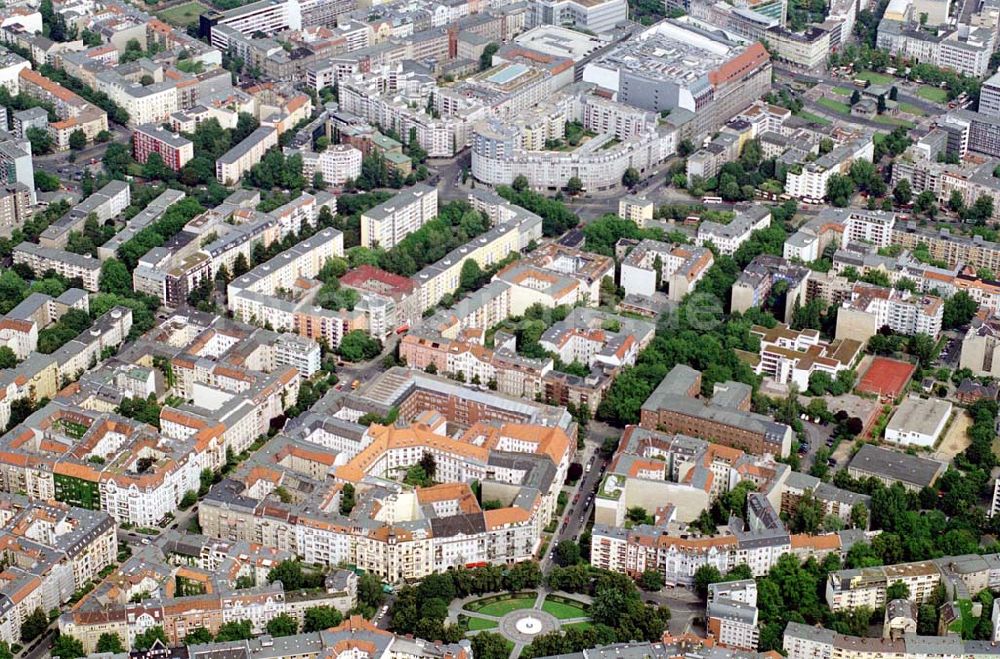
[[842, 91], [875, 78], [563, 611], [499, 609], [183, 15], [834, 106], [578, 625], [814, 118], [932, 94], [911, 109], [893, 121], [476, 624]]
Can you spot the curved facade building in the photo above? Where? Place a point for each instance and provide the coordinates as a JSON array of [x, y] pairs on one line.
[[498, 157]]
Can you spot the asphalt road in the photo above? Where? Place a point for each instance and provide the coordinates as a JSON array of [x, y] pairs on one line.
[[40, 646]]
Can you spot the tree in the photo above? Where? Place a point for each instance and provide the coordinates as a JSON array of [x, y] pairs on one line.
[[246, 124], [34, 625], [77, 140], [429, 464], [630, 178], [880, 104], [490, 645], [189, 499], [574, 185], [705, 576], [982, 210], [116, 160], [234, 630], [282, 625], [925, 203], [240, 266], [198, 636], [855, 97], [318, 618], [156, 169], [839, 190], [897, 591], [859, 516], [471, 274], [955, 202], [289, 573], [567, 553], [520, 183], [67, 647], [110, 642], [358, 345], [958, 310], [145, 640], [902, 192], [651, 580], [115, 278], [7, 357], [486, 57], [46, 182], [40, 139]]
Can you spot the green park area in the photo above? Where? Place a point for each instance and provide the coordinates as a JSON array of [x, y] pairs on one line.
[[834, 106], [500, 607], [183, 15], [564, 608]]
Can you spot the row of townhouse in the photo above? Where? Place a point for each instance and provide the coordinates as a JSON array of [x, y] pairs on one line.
[[74, 112], [79, 451], [394, 532], [217, 238], [963, 577], [678, 556], [50, 551], [147, 591], [41, 376], [19, 328], [279, 293]]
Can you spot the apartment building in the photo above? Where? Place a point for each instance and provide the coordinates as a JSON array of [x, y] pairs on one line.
[[653, 265], [442, 277], [636, 209], [808, 181], [15, 207], [74, 112], [728, 237], [725, 418], [265, 16], [337, 164], [197, 584], [16, 162], [389, 223], [758, 279], [19, 328], [175, 150], [979, 349], [270, 294], [791, 356], [890, 466], [872, 307], [53, 550], [233, 164], [67, 264], [869, 227], [407, 538], [105, 204]]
